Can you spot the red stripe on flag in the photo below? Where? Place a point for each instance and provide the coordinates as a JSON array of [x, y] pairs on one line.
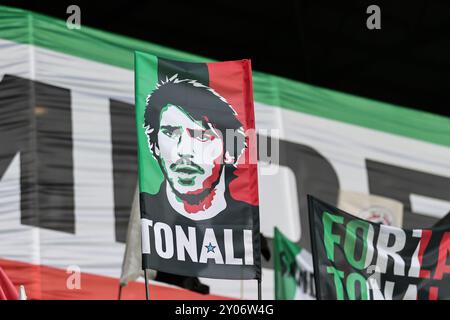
[[426, 236], [48, 283], [444, 252], [433, 293], [233, 81]]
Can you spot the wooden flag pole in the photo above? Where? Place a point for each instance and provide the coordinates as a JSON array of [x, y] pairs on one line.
[[147, 290]]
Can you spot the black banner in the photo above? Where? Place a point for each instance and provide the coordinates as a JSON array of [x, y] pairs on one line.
[[359, 260]]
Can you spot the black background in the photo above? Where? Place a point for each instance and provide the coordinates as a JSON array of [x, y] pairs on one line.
[[324, 43]]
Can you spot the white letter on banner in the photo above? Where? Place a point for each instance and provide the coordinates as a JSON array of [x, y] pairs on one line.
[[186, 243], [168, 239], [229, 249], [145, 229], [210, 248], [248, 246], [384, 250]]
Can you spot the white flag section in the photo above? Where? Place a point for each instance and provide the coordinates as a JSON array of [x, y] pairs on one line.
[[372, 208], [68, 170]]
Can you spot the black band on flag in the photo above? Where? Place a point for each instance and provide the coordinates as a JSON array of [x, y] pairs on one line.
[[185, 70]]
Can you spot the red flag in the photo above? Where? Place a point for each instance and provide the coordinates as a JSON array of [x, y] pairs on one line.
[[7, 289]]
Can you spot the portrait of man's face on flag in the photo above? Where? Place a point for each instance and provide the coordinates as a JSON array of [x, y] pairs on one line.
[[193, 133], [198, 180]]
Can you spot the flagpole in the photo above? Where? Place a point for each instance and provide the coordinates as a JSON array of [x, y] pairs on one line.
[[260, 274], [313, 246], [120, 291], [259, 289], [147, 290]]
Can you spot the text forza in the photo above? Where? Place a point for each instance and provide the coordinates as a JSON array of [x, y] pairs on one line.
[[200, 245], [402, 255]]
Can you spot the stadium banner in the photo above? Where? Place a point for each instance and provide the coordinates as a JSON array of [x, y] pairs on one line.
[[68, 157], [293, 269], [198, 176], [372, 208], [355, 259]]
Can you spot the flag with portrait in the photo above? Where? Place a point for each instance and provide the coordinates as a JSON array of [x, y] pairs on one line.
[[197, 167]]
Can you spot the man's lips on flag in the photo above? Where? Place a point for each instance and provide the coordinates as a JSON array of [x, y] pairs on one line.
[[186, 167]]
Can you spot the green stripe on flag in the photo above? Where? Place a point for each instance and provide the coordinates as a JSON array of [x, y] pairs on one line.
[[146, 77]]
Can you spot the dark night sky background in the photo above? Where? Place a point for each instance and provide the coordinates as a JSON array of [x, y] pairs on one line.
[[325, 43]]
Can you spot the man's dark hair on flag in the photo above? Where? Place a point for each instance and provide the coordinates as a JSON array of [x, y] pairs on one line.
[[201, 103]]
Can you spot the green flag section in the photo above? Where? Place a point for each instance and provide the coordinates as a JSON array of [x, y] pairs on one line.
[[294, 278], [198, 179], [151, 178], [356, 259]]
